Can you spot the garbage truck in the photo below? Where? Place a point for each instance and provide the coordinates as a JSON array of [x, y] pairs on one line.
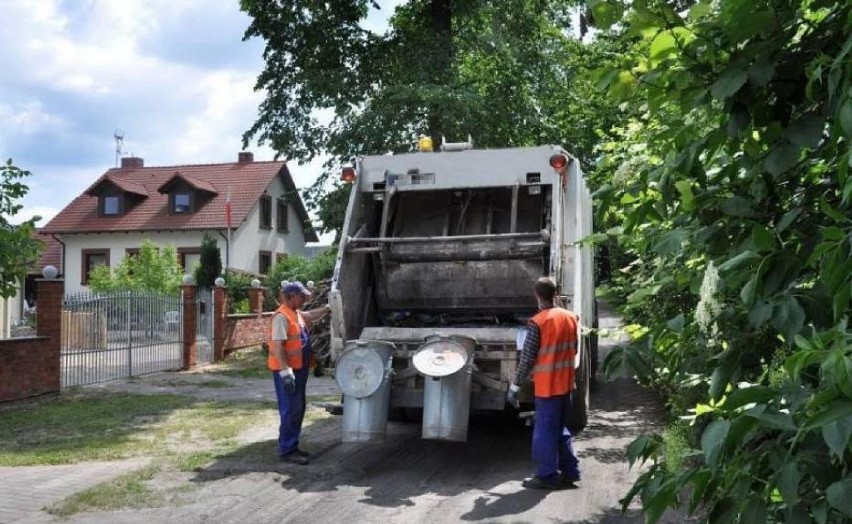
[[433, 282]]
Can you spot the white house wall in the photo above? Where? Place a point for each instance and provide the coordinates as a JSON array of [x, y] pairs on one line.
[[250, 239]]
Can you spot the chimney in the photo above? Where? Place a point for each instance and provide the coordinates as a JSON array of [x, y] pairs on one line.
[[245, 157], [132, 162]]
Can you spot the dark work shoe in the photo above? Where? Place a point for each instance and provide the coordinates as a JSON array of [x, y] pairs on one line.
[[540, 483], [302, 453], [568, 481], [293, 458]]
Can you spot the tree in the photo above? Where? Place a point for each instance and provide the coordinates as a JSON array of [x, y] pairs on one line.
[[503, 72], [153, 269], [730, 189], [210, 264], [19, 249]]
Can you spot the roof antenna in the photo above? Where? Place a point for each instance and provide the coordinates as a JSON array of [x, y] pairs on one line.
[[119, 141]]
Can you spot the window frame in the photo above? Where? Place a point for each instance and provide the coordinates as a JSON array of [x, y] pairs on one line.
[[182, 252], [260, 255], [265, 212], [84, 262], [282, 215]]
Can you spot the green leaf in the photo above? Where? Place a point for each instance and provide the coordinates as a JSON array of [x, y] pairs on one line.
[[760, 314], [713, 439], [740, 260], [806, 132], [788, 218], [737, 206], [788, 317], [700, 10], [663, 45], [782, 158], [788, 482], [839, 495], [728, 84], [676, 323], [606, 13], [755, 512], [742, 396], [671, 242], [838, 409], [761, 73], [845, 117], [762, 238], [687, 198], [772, 419], [836, 435], [748, 292]]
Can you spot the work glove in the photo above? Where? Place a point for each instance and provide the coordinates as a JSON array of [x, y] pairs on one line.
[[288, 379], [512, 396]]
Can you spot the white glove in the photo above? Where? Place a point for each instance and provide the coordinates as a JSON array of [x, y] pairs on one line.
[[512, 396], [288, 378]]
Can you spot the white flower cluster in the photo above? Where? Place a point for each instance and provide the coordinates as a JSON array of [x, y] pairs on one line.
[[709, 305]]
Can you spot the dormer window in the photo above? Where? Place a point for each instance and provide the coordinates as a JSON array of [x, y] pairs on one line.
[[110, 205], [182, 202]]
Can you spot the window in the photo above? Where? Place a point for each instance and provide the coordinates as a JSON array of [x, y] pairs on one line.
[[266, 212], [92, 258], [281, 215], [110, 205], [181, 202], [189, 257], [264, 262]]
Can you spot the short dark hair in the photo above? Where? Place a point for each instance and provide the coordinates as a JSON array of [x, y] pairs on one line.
[[545, 288]]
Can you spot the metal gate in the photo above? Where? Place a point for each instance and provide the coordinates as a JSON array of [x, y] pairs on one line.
[[109, 336], [204, 326]]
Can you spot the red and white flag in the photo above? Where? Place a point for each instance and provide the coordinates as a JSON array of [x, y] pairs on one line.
[[228, 208]]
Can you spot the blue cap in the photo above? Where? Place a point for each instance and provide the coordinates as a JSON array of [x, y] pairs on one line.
[[295, 287]]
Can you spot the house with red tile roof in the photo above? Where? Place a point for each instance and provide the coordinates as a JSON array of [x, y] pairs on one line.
[[252, 208]]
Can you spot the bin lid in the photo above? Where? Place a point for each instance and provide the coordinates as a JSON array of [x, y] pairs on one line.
[[359, 372], [440, 357]]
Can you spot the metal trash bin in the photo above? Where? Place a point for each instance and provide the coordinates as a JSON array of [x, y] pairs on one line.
[[363, 375], [447, 363]]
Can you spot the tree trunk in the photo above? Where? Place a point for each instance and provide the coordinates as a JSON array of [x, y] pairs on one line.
[[442, 59]]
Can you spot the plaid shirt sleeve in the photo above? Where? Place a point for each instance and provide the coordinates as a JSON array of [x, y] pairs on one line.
[[528, 354]]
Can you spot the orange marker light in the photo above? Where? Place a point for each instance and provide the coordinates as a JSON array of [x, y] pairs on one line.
[[348, 175], [558, 161]]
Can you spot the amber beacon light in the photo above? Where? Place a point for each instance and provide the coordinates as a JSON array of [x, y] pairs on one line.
[[558, 161], [348, 175]]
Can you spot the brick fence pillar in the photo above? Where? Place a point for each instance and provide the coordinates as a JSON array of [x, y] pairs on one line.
[[256, 300], [220, 316], [49, 324], [190, 351]]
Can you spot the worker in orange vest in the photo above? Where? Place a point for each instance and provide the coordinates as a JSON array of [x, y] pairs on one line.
[[289, 359], [548, 354]]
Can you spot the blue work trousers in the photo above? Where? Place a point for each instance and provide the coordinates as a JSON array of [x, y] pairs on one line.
[[551, 443], [291, 409]]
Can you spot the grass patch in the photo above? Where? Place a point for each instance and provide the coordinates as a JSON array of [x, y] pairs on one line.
[[214, 384], [74, 428], [130, 490], [243, 363]]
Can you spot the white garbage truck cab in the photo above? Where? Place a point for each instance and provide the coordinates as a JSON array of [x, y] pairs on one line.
[[437, 260]]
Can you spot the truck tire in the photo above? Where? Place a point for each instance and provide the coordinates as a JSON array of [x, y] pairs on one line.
[[580, 397]]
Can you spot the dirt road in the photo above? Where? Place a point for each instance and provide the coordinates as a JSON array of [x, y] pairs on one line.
[[408, 479]]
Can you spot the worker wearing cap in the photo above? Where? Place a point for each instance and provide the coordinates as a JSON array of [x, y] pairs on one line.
[[289, 359], [548, 354]]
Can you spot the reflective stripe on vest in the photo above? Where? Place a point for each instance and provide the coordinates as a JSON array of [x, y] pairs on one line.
[[293, 343], [553, 371]]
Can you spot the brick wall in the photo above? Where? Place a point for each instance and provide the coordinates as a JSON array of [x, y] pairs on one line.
[[30, 366], [243, 331], [26, 369]]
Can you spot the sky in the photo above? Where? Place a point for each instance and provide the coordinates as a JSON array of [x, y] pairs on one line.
[[174, 76]]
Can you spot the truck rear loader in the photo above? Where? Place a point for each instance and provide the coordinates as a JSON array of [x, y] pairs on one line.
[[436, 265]]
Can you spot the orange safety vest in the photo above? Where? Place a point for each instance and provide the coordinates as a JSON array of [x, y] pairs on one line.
[[553, 371], [293, 344]]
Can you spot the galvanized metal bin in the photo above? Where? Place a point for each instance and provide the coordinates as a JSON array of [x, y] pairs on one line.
[[363, 375], [447, 363]]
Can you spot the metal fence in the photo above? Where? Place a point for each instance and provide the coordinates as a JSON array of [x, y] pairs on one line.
[[116, 335]]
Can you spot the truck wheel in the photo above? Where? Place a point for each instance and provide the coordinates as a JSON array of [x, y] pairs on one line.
[[580, 397]]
